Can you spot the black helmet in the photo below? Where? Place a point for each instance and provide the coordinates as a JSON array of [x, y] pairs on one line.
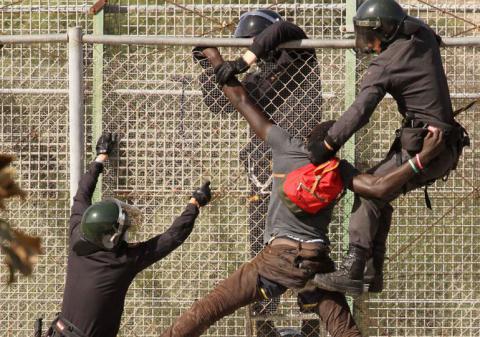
[[253, 23], [377, 19]]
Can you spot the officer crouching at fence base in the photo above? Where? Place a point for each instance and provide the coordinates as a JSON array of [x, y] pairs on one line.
[[409, 67], [286, 84], [101, 264], [297, 244]]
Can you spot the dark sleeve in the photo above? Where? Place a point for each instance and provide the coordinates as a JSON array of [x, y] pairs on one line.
[[213, 97], [148, 252], [348, 172], [374, 87], [274, 35], [83, 197]]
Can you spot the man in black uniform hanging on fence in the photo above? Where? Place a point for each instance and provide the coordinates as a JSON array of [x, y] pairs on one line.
[[286, 85], [101, 264], [409, 67]]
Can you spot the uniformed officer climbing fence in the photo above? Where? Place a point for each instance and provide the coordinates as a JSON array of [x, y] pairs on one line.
[[177, 129]]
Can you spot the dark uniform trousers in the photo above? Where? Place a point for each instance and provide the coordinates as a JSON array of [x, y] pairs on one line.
[[371, 218], [269, 274]]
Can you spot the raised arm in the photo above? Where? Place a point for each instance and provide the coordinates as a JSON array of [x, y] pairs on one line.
[[213, 96], [151, 251], [239, 98], [88, 182], [264, 43], [379, 187], [273, 36]]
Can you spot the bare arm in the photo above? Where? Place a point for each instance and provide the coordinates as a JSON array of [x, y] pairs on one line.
[[239, 98], [379, 187]]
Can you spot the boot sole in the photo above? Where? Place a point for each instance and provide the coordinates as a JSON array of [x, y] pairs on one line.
[[355, 288]]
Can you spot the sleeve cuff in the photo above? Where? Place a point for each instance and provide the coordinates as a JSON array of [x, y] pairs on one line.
[[257, 50], [98, 165], [192, 208], [332, 143]]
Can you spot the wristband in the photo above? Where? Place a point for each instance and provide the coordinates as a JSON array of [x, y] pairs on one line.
[[419, 163], [414, 168]]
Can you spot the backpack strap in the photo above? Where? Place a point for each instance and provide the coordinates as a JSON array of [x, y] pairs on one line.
[[333, 163]]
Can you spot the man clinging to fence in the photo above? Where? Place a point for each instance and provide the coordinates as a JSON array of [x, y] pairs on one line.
[[298, 245], [101, 264], [286, 85], [409, 67]]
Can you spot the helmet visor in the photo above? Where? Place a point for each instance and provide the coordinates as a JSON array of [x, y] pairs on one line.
[[364, 39], [129, 217], [249, 27]]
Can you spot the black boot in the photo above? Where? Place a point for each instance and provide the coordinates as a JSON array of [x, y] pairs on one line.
[[348, 279], [374, 273]]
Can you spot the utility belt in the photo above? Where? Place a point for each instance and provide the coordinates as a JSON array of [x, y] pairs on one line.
[[410, 138], [61, 327]]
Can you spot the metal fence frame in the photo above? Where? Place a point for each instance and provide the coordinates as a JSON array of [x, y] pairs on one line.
[[76, 40]]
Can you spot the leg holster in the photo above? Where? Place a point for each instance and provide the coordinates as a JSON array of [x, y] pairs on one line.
[[61, 327]]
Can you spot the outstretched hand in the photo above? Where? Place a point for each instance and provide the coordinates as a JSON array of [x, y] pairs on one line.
[[433, 145], [106, 142], [203, 194]]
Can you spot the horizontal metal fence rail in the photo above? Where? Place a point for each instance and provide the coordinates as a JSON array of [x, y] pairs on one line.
[[204, 41]]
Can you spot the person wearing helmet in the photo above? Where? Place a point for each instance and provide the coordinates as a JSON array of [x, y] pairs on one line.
[[409, 67], [101, 264], [298, 245], [286, 84]]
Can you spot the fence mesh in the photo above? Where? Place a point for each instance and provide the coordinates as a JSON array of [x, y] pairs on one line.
[[177, 130]]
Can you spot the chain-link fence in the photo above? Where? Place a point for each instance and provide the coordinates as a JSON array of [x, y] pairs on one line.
[[177, 129]]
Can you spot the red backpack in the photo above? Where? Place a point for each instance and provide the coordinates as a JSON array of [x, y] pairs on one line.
[[310, 188]]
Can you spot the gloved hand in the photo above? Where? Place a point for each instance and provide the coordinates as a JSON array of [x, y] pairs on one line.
[[203, 194], [105, 143], [197, 53], [228, 69], [319, 153]]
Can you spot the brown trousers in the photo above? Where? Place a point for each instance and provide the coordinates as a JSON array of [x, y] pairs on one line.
[[286, 266]]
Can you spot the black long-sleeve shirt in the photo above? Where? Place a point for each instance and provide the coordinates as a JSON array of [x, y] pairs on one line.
[[411, 70], [96, 284]]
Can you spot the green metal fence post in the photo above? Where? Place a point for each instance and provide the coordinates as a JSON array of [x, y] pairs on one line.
[[358, 306]]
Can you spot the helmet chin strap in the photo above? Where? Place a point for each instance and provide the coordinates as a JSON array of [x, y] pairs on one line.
[[387, 41]]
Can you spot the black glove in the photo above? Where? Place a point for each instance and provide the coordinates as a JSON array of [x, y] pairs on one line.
[[228, 69], [203, 194], [319, 153], [105, 143], [197, 53]]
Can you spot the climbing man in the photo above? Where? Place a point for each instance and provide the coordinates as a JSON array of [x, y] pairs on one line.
[[286, 85]]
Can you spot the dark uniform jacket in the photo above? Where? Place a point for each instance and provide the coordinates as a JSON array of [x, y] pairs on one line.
[[96, 284], [411, 70]]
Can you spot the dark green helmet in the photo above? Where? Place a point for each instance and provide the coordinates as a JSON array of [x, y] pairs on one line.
[[102, 227], [377, 19]]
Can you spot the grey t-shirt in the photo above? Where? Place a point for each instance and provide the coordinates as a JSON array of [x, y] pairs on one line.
[[289, 154]]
